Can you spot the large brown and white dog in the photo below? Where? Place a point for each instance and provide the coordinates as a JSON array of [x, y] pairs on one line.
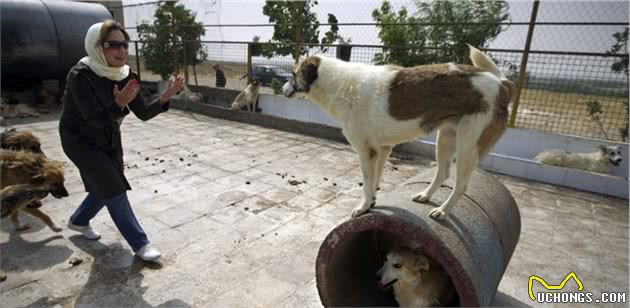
[[379, 107], [21, 167]]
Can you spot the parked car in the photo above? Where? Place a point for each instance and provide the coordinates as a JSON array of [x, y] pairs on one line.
[[265, 73]]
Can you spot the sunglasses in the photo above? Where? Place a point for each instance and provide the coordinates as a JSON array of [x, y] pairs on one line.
[[116, 45]]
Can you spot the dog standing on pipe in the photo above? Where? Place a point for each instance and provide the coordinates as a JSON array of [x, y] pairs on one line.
[[379, 107]]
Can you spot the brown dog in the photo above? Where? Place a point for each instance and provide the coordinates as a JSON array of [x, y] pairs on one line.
[[20, 141], [418, 281], [20, 167], [20, 197], [11, 139]]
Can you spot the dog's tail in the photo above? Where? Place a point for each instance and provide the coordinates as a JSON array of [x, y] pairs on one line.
[[481, 60], [495, 128]]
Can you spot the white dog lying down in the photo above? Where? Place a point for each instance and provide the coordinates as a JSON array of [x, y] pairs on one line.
[[417, 280], [379, 107], [600, 161], [16, 110], [248, 97], [186, 96]]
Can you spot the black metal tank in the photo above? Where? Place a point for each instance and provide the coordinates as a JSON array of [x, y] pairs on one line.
[[44, 39]]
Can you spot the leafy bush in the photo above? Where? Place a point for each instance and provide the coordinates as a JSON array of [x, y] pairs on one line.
[[276, 86]]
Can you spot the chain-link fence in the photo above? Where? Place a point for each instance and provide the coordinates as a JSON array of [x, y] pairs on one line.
[[572, 93], [568, 85], [557, 94]]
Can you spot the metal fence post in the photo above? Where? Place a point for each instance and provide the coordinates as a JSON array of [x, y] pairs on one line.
[[521, 74], [185, 62], [194, 67], [195, 74], [249, 63], [135, 44], [467, 56]]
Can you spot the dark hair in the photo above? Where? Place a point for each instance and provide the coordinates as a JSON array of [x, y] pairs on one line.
[[109, 26]]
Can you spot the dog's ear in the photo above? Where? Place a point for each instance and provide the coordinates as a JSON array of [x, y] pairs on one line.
[[39, 179], [602, 148], [421, 263], [309, 69], [310, 73]]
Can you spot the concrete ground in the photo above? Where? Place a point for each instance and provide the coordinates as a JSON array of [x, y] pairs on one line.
[[239, 212]]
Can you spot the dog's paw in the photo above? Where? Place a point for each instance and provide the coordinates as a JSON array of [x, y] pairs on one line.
[[438, 214], [22, 227], [358, 211], [35, 204], [56, 228], [421, 197]]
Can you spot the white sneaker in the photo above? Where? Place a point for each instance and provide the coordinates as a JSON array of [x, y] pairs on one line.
[[148, 253], [88, 232]]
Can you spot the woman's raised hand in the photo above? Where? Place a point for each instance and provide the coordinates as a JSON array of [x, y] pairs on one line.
[[127, 94], [174, 86]]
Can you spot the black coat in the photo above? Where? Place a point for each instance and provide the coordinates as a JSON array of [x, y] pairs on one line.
[[90, 129]]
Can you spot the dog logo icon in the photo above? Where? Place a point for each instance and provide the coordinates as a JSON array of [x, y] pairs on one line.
[[552, 287]]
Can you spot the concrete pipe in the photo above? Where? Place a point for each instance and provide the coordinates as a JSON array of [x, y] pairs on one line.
[[473, 245]]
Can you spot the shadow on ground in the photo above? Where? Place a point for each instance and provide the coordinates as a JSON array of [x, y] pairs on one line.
[[27, 256], [504, 300], [115, 279]]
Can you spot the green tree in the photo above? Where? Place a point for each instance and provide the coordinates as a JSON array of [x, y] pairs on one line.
[[595, 112], [621, 66], [594, 108], [276, 86], [445, 39], [621, 46], [623, 131], [295, 23], [163, 41]]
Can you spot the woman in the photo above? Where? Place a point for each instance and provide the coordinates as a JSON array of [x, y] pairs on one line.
[[100, 91]]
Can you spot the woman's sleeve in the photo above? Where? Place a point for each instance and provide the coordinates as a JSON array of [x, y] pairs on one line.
[[85, 100], [147, 111]]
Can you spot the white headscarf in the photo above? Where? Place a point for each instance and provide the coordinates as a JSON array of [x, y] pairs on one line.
[[96, 59]]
